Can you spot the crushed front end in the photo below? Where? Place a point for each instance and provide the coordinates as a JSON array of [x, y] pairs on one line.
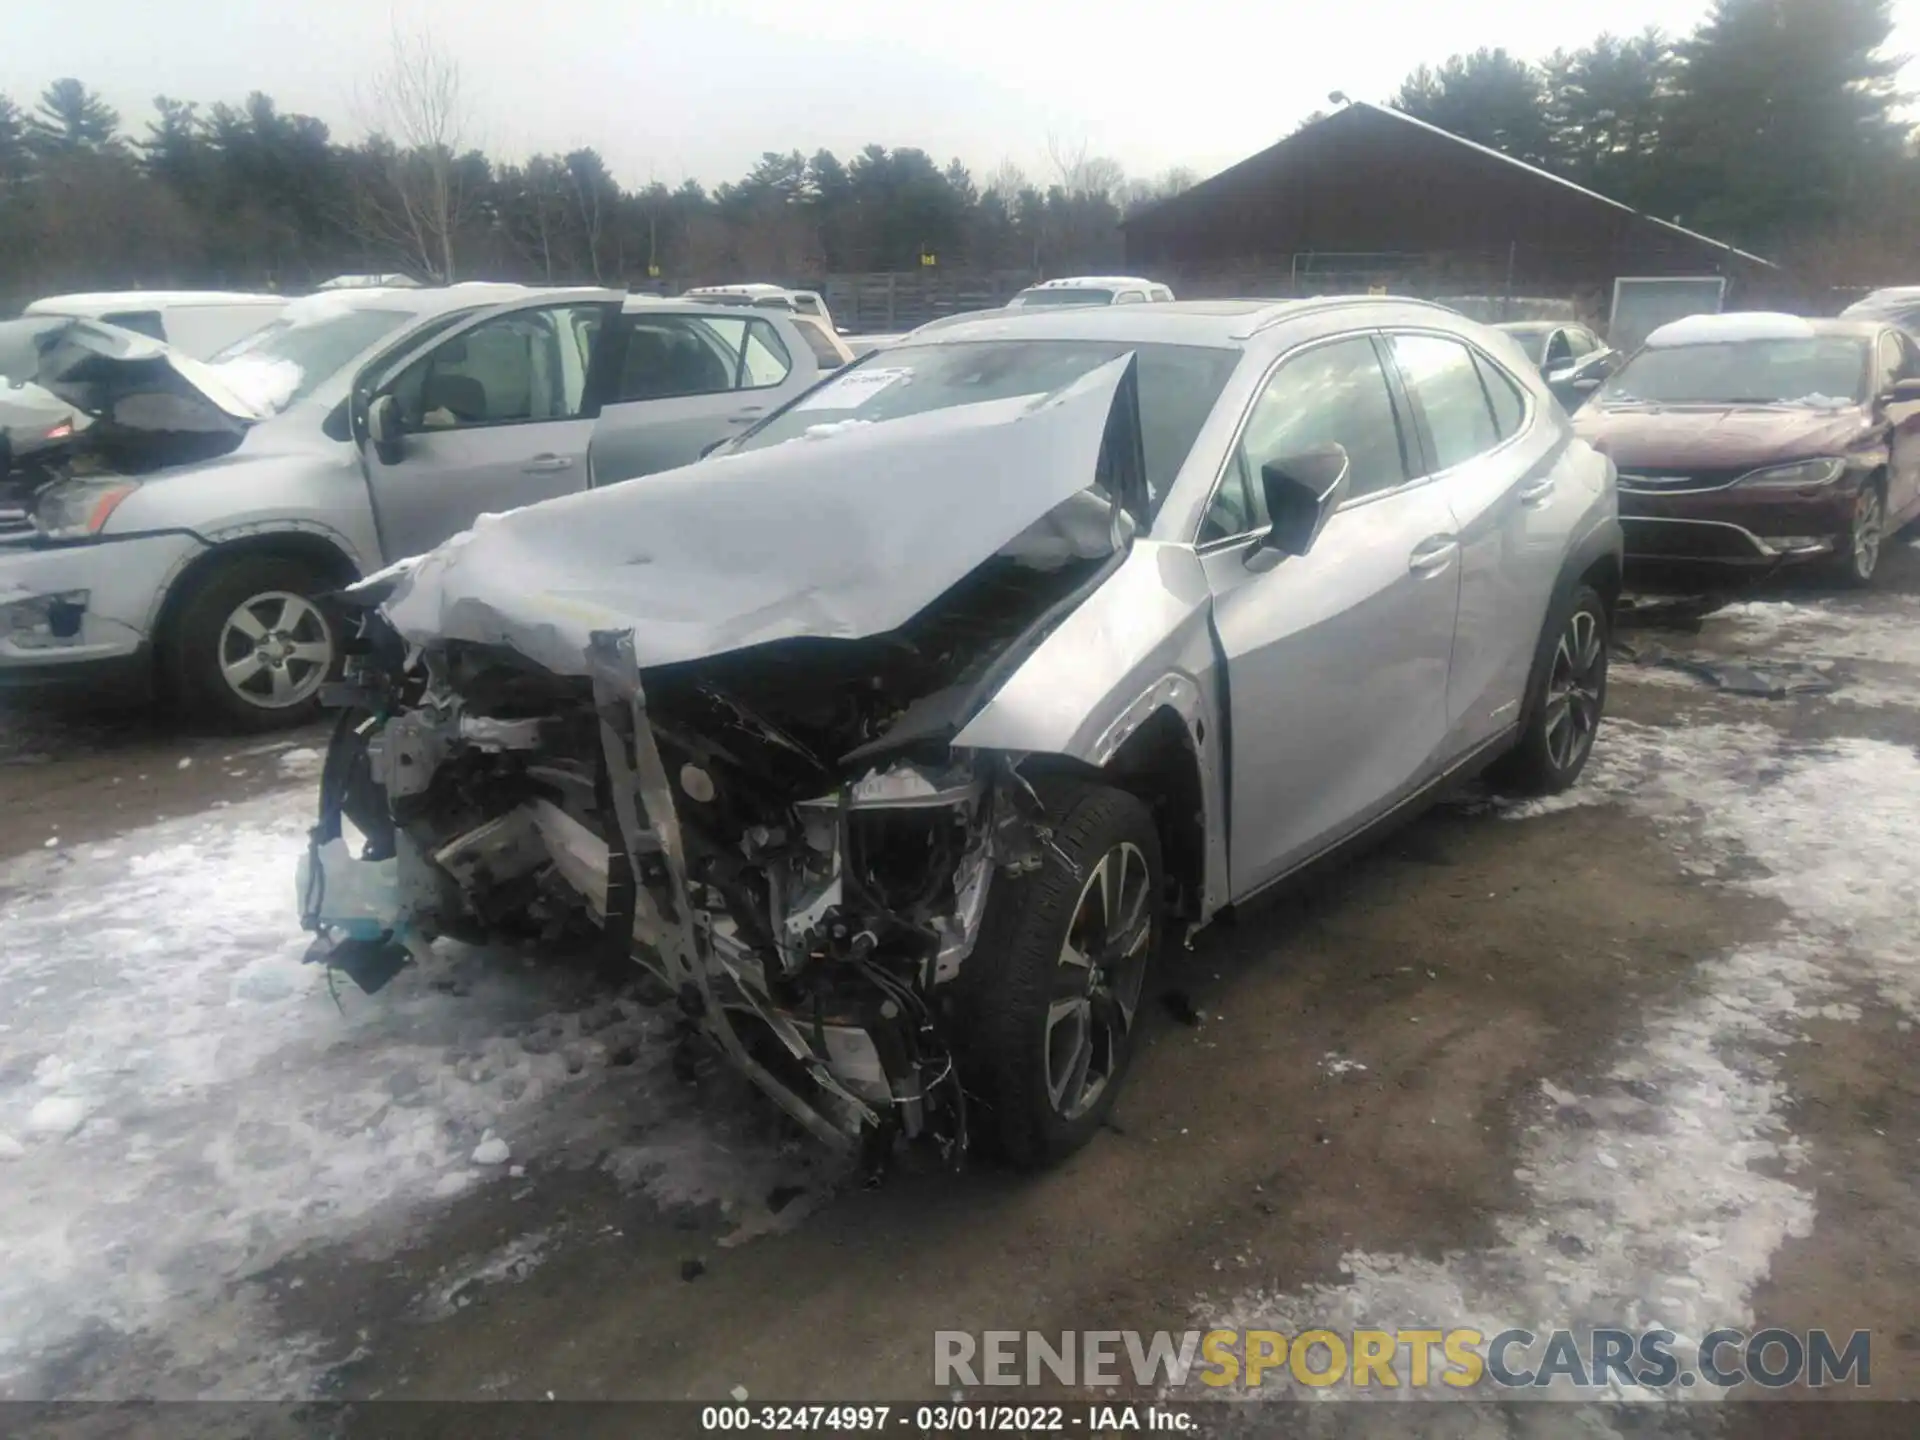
[[747, 782]]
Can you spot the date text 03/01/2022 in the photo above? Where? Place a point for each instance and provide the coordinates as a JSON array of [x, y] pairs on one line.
[[946, 1418]]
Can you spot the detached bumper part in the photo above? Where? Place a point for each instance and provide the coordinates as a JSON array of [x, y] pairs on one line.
[[638, 781]]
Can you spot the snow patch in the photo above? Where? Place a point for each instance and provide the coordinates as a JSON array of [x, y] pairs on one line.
[[222, 1111], [1660, 1196], [491, 1151], [302, 764], [57, 1115]]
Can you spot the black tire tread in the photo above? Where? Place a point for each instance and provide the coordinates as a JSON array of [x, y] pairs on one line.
[[1526, 769], [1007, 975]]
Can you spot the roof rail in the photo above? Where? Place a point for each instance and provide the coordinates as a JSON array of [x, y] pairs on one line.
[[1289, 309]]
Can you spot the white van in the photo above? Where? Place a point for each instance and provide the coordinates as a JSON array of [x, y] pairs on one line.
[[197, 323]]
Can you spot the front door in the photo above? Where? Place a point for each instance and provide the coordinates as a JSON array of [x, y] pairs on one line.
[[491, 417], [1337, 659]]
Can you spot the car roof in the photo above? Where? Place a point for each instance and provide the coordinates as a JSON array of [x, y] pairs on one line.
[[1074, 282], [1181, 322], [1734, 326], [696, 305], [95, 301]]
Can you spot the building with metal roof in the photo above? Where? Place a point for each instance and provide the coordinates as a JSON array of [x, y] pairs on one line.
[[1370, 197]]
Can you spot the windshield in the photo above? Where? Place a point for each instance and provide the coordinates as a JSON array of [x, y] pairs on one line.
[[1034, 299], [288, 359], [1178, 387], [1818, 370]]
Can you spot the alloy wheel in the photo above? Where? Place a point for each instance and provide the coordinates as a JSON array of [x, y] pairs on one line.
[[275, 649], [1097, 982], [1868, 514], [1574, 685]]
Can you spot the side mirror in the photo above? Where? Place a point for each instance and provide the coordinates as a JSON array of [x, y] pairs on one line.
[[1905, 391], [1302, 492], [383, 429], [1559, 374]]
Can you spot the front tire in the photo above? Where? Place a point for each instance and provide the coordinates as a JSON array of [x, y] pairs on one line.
[[1866, 536], [1566, 696], [1050, 999], [251, 645]]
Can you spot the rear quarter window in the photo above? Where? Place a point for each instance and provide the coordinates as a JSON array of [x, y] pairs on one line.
[[1509, 404]]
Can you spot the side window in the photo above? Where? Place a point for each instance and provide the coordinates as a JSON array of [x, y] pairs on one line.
[[818, 342], [1559, 350], [1909, 356], [146, 322], [1889, 363], [767, 361], [511, 369], [1509, 404], [1330, 394], [1445, 388], [678, 355], [1161, 294], [1129, 297]]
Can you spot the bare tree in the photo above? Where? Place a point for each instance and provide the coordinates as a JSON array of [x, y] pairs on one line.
[[411, 194]]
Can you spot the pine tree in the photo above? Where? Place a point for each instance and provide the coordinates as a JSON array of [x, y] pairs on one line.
[[69, 118]]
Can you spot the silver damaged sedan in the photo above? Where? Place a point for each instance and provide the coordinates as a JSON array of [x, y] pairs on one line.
[[896, 737]]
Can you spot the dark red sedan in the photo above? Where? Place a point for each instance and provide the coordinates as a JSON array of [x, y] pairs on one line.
[[1755, 440]]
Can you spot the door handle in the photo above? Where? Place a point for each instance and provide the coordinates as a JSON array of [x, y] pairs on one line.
[[1536, 492], [543, 464], [751, 413], [1432, 555]]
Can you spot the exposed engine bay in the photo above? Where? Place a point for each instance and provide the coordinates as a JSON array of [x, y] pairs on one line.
[[783, 833]]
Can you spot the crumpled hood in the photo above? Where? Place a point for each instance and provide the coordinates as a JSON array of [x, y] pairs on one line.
[[843, 533], [151, 405], [1672, 438]]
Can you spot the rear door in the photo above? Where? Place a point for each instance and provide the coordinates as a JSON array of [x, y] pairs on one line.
[[492, 414], [674, 385], [1336, 659], [1491, 451]]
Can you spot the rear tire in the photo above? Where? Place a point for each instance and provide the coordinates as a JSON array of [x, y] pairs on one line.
[[1566, 696], [251, 644], [1045, 1040]]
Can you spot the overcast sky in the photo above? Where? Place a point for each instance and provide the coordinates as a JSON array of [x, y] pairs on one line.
[[667, 89]]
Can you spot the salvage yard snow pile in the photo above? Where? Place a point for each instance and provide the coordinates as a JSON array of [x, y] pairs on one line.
[[1687, 1135], [183, 1104]]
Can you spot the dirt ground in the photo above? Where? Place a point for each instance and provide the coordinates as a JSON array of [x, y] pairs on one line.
[[1356, 1069]]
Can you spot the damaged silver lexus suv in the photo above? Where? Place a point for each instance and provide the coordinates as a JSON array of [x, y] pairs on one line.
[[895, 736]]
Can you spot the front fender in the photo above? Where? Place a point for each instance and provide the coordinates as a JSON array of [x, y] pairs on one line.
[[1138, 645]]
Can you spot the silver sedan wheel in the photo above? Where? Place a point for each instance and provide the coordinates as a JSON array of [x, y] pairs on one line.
[[275, 649], [1097, 982], [1574, 690]]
